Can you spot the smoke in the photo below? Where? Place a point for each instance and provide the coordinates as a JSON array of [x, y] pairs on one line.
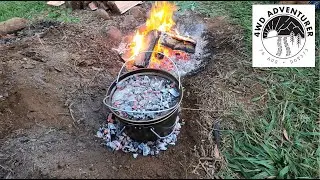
[[190, 25]]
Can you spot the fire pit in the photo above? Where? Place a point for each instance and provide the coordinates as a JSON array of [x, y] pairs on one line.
[[145, 101]]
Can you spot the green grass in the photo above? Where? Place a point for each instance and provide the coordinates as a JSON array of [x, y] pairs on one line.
[[33, 10], [259, 150]]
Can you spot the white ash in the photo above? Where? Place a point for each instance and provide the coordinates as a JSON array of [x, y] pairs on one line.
[[189, 25], [116, 141], [138, 94]]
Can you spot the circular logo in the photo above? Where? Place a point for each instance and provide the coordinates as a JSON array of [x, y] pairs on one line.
[[284, 36]]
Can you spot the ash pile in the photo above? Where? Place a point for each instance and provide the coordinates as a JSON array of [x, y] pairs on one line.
[[116, 140]]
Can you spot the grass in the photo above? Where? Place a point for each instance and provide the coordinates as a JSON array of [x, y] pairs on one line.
[[260, 149], [33, 10]]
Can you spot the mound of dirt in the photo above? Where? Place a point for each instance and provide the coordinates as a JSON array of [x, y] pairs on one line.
[[12, 25]]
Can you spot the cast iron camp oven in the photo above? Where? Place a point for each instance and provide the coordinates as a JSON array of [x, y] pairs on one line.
[[147, 130]]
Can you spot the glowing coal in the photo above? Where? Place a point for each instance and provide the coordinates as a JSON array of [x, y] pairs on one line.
[[182, 42]]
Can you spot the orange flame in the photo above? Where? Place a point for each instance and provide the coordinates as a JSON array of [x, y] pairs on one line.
[[161, 16], [161, 19], [137, 43]]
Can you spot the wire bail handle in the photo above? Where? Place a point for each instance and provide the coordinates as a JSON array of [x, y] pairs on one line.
[[117, 109], [163, 137], [132, 59]]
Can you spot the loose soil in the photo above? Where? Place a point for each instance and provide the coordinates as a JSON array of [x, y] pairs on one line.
[[53, 77]]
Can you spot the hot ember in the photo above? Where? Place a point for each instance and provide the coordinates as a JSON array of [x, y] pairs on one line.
[[159, 39], [145, 97]]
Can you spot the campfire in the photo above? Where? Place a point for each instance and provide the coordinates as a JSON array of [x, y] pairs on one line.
[[145, 103], [157, 41]]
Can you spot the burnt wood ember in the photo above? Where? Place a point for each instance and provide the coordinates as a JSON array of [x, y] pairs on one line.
[[144, 93], [176, 42], [143, 58]]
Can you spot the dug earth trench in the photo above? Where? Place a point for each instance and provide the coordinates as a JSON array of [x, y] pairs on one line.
[[53, 77]]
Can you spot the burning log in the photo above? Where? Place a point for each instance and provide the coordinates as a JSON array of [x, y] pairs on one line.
[[143, 58], [159, 39], [176, 42], [172, 41]]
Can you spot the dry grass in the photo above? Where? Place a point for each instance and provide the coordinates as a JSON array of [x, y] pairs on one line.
[[218, 90]]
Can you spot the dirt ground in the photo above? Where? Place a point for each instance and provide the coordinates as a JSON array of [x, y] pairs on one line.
[[53, 78]]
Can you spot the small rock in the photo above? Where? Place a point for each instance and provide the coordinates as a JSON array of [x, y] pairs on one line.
[[6, 94], [114, 168], [159, 173], [93, 6], [57, 69], [50, 68], [101, 13], [114, 33], [137, 12], [129, 21], [12, 25], [28, 66], [41, 34], [81, 145], [222, 18], [148, 14], [135, 155], [61, 165], [127, 39], [101, 5], [147, 5], [162, 146], [85, 63], [99, 134]]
